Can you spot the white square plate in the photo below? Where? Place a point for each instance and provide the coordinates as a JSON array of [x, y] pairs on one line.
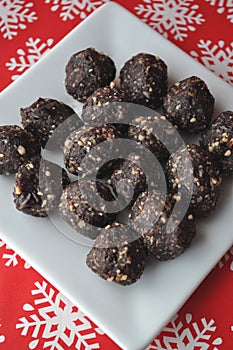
[[133, 315]]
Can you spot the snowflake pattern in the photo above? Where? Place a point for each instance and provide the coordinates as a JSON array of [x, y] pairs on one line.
[[188, 336], [56, 322], [34, 50], [217, 57], [14, 14], [71, 8], [11, 258], [223, 6], [2, 337], [227, 258], [174, 16]]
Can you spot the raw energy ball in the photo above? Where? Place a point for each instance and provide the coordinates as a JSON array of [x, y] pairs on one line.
[[144, 79], [104, 106], [153, 132], [86, 215], [206, 184], [117, 255], [43, 117], [81, 142], [16, 147], [150, 215], [86, 71], [129, 180], [189, 105], [38, 187], [218, 140]]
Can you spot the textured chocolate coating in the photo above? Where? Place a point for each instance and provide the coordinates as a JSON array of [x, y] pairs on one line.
[[218, 140], [43, 117], [16, 147], [104, 106], [38, 187], [149, 131], [81, 142], [206, 179], [128, 180], [117, 255], [83, 216], [86, 71], [189, 105], [150, 215], [144, 79]]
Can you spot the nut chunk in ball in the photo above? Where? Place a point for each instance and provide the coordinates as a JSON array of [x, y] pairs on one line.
[[117, 255], [83, 152], [206, 183], [16, 147], [189, 105], [86, 71], [150, 217], [218, 140], [43, 118], [144, 79], [38, 187], [84, 206]]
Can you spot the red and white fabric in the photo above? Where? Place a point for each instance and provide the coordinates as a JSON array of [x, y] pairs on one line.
[[35, 315]]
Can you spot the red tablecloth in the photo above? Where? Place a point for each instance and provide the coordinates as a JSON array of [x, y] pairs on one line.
[[33, 314]]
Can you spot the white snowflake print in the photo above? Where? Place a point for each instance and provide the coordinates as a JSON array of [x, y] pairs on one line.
[[227, 258], [188, 336], [174, 16], [35, 49], [58, 321], [11, 258], [2, 337], [217, 57], [69, 9], [223, 6], [14, 15]]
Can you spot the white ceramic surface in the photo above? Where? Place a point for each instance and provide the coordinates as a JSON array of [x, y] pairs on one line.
[[133, 315]]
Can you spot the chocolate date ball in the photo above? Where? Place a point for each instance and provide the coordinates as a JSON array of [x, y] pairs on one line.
[[129, 180], [117, 255], [189, 105], [104, 106], [144, 79], [86, 71], [206, 184], [218, 140], [150, 216], [38, 187], [153, 132], [81, 142], [43, 117], [16, 147], [86, 215]]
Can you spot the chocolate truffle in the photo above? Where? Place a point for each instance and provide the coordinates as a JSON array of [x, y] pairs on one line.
[[86, 71], [206, 184], [81, 142], [16, 147], [83, 211], [165, 233], [117, 255], [218, 140], [153, 132], [38, 187], [43, 118], [144, 79], [129, 180], [189, 105]]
